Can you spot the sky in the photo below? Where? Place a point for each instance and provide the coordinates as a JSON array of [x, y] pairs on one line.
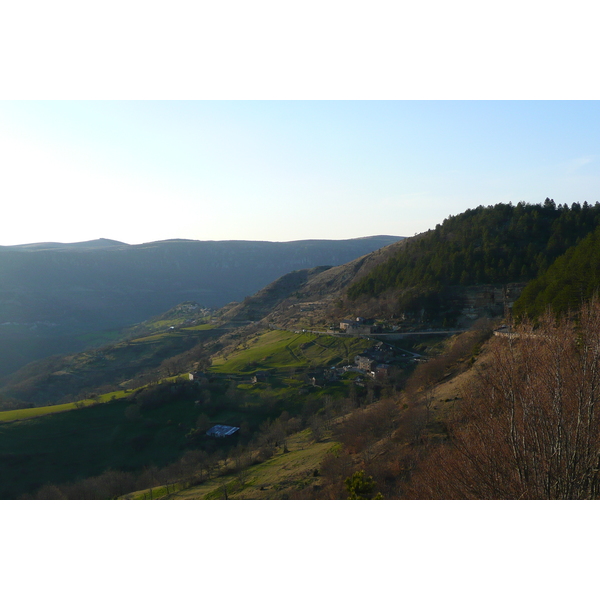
[[139, 171]]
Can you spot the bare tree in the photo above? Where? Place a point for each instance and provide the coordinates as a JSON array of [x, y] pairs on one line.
[[530, 428], [317, 427]]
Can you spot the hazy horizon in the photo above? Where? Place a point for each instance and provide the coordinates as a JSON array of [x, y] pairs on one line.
[[143, 171], [193, 240]]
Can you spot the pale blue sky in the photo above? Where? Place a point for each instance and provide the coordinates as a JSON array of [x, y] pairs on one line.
[[282, 170]]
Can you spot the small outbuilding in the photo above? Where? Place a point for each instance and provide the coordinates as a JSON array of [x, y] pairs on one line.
[[221, 431], [260, 377]]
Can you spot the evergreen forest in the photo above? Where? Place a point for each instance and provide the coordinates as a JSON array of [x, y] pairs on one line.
[[572, 279], [487, 245]]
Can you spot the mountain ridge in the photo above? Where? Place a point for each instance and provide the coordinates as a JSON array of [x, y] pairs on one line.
[[50, 297], [103, 243]]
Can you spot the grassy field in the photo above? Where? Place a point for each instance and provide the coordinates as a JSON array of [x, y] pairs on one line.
[[275, 351], [176, 317], [40, 411], [275, 478], [163, 331], [283, 350], [100, 337], [204, 327]]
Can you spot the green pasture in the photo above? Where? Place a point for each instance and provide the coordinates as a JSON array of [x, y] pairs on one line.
[[51, 381], [162, 325], [153, 338], [181, 332], [281, 350], [40, 411], [204, 327], [164, 332]]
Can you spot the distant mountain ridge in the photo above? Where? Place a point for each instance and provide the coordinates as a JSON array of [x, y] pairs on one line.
[[88, 245], [108, 243], [53, 291]]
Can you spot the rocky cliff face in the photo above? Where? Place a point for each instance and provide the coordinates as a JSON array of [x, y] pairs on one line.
[[485, 300]]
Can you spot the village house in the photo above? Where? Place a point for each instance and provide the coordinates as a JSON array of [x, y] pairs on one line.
[[315, 379], [259, 377], [198, 377], [382, 371], [355, 328], [365, 362]]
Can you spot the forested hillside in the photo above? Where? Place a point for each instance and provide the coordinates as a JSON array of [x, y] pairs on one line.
[[495, 244], [573, 278]]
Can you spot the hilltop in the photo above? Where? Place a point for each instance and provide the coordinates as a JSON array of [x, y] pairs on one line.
[[88, 245], [496, 245]]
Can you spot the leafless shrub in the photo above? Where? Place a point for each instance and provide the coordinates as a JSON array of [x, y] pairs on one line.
[[530, 428]]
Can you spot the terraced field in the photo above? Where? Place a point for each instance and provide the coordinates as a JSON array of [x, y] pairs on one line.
[[282, 350]]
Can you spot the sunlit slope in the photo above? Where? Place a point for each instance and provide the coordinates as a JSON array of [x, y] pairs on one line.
[[23, 414], [310, 294], [275, 478], [279, 350]]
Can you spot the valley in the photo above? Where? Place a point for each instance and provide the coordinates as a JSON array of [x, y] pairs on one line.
[[60, 298], [332, 382]]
